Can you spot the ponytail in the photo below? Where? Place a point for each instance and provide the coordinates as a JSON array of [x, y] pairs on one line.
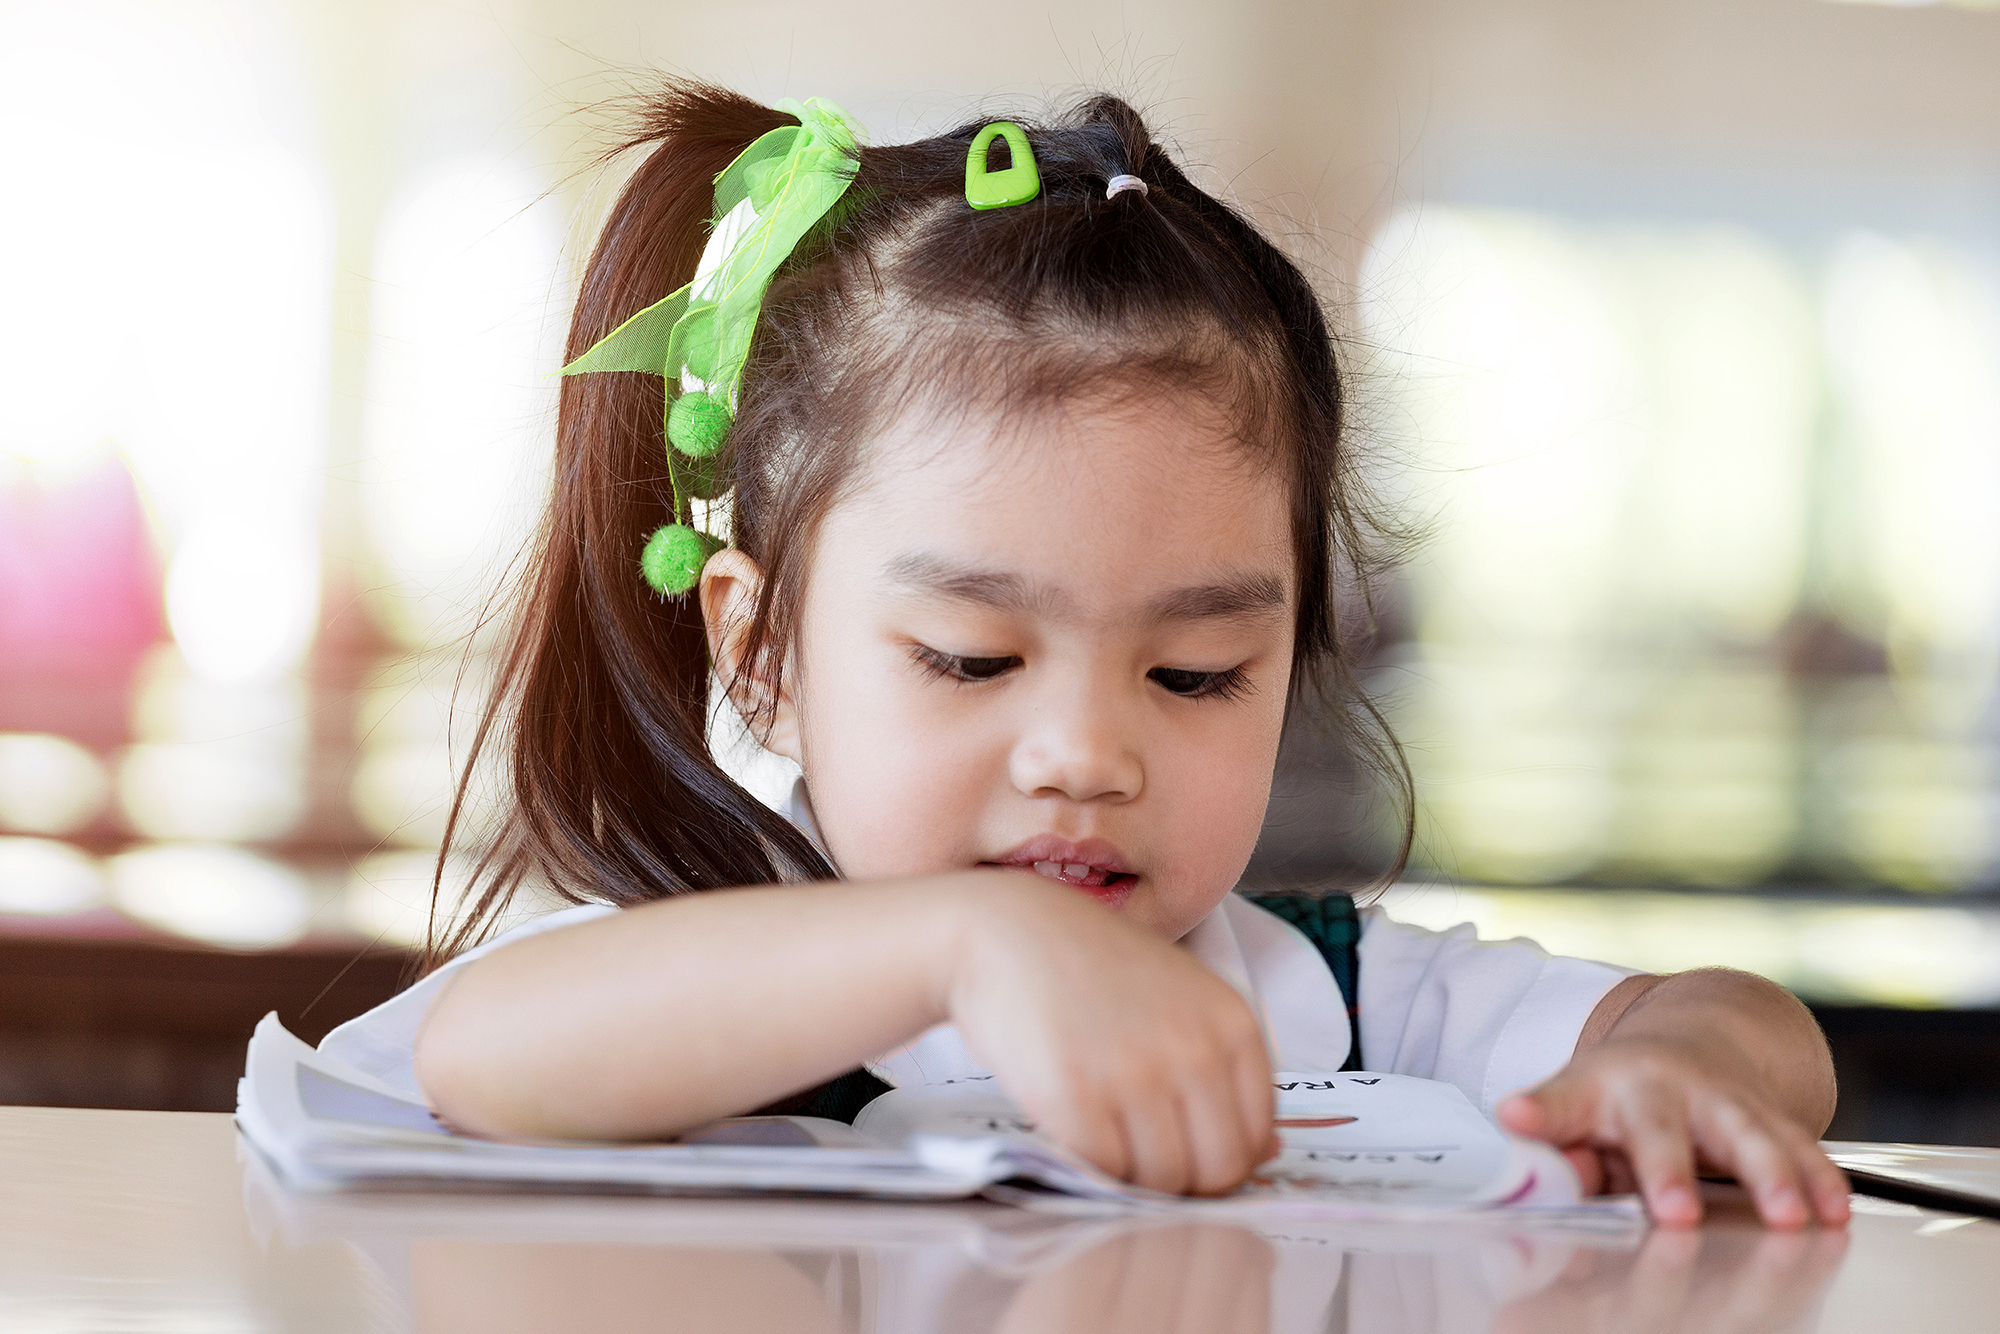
[[603, 686]]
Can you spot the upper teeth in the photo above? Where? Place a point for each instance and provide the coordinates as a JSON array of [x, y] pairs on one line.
[[1057, 870]]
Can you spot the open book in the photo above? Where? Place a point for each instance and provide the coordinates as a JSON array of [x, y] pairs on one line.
[[1355, 1145]]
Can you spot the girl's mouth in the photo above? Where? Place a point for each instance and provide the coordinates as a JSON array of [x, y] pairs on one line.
[[1081, 874], [1093, 866]]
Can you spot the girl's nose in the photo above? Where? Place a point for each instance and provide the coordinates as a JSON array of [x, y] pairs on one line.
[[1079, 753]]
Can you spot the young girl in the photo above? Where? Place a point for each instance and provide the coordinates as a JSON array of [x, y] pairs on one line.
[[1031, 463]]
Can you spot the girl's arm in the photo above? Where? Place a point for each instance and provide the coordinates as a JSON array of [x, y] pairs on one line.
[[1120, 1045], [1711, 1070], [675, 1013]]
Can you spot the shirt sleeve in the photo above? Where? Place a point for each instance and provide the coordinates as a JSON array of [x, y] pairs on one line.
[[1491, 1016], [383, 1041]]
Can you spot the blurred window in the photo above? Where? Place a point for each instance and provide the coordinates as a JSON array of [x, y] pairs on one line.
[[193, 738], [1709, 584]]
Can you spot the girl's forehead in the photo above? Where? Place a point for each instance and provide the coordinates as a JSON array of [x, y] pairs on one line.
[[1151, 445], [1123, 505]]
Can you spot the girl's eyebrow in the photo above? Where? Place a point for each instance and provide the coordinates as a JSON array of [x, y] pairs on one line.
[[1244, 597], [966, 583]]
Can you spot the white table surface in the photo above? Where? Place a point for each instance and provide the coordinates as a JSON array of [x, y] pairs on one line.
[[160, 1221]]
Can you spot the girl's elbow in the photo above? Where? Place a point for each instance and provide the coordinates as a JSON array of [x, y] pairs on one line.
[[475, 1075], [463, 1089]]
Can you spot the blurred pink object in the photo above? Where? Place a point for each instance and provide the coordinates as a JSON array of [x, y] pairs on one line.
[[79, 599]]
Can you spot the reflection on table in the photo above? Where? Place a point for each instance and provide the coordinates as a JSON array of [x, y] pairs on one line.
[[448, 1265], [1171, 1276], [155, 1220]]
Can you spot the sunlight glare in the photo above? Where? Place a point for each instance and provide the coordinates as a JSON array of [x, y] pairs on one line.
[[48, 784], [42, 877], [459, 428], [223, 895], [210, 760]]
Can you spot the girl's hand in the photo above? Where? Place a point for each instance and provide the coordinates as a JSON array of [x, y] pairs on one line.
[[1647, 1112], [1118, 1044]]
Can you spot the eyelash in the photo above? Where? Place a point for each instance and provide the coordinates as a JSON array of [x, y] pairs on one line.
[[1232, 683], [952, 667]]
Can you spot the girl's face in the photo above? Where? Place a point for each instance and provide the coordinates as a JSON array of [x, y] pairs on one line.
[[1062, 646]]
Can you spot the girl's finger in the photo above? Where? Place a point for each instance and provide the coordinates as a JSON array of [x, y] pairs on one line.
[[1242, 1098], [1655, 1142], [1562, 1111], [1588, 1165], [1090, 1129], [1158, 1140], [1256, 1102], [1826, 1185], [1734, 1137], [1221, 1150]]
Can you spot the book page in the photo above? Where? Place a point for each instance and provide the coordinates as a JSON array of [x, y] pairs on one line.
[[1355, 1139], [1389, 1138], [329, 1099], [323, 1124]]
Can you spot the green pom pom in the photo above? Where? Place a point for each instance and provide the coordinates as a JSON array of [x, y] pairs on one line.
[[674, 556], [697, 425]]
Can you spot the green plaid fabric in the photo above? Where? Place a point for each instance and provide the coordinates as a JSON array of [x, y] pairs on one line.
[[1332, 923]]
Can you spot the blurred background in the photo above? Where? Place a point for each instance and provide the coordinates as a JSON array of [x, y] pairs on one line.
[[1673, 330]]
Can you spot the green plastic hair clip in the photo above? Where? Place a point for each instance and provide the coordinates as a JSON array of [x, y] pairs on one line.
[[1019, 183]]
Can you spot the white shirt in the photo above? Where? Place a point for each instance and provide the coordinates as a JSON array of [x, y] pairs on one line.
[[1488, 1016]]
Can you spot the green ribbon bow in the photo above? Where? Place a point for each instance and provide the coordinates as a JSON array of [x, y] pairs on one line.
[[775, 192], [766, 201]]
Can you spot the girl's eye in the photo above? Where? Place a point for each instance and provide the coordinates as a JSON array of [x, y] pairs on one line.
[[953, 667], [1202, 685]]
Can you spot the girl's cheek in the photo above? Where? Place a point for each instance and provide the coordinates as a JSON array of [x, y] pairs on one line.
[[1224, 780], [894, 795]]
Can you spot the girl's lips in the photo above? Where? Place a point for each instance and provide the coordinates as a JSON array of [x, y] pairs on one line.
[[1081, 874], [1094, 865]]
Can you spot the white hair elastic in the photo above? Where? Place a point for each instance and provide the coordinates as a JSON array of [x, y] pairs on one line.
[[1118, 185]]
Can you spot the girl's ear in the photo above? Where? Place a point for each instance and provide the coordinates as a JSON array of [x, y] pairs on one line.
[[730, 585]]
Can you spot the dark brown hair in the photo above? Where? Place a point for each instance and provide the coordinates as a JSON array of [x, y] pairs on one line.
[[904, 293]]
